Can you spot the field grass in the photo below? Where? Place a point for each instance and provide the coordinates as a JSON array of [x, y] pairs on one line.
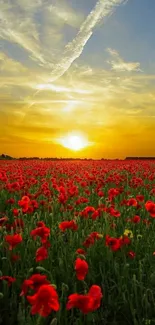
[[56, 215]]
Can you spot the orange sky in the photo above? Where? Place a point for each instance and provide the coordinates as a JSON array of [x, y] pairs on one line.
[[100, 85]]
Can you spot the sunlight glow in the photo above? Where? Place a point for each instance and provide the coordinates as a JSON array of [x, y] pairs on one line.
[[57, 88], [74, 142], [72, 105]]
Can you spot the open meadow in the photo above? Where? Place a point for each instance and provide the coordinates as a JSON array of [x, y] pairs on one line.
[[77, 242]]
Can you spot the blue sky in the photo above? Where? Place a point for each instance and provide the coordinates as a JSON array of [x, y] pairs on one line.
[[69, 66], [129, 30]]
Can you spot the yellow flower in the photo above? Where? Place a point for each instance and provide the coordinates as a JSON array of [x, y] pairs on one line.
[[100, 235], [128, 233]]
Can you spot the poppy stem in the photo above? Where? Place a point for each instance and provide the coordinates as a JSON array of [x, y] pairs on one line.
[[39, 320]]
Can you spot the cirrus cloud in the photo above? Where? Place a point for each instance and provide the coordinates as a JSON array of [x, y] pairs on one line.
[[118, 64]]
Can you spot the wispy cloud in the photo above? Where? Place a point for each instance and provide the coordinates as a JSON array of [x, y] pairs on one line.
[[51, 92], [116, 107], [21, 29], [74, 49], [28, 5], [63, 13], [118, 64], [10, 66], [63, 89]]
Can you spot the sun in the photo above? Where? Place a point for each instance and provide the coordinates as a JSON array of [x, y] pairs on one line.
[[74, 142]]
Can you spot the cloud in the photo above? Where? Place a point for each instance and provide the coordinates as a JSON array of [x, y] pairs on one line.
[[118, 64], [21, 27], [10, 66], [93, 93], [69, 94], [20, 23], [29, 5], [28, 37], [63, 13], [74, 49], [59, 89], [116, 107]]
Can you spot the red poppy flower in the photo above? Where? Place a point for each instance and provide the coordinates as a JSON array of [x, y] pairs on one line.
[[95, 215], [113, 192], [25, 286], [95, 235], [82, 302], [11, 201], [7, 278], [13, 240], [89, 241], [41, 224], [68, 225], [140, 198], [41, 254], [81, 268], [114, 213], [152, 192], [113, 243], [15, 212], [42, 232], [131, 254], [100, 193], [81, 251], [25, 198], [150, 207], [44, 301], [132, 202], [136, 219], [34, 282], [87, 211], [24, 203], [96, 294], [86, 303]]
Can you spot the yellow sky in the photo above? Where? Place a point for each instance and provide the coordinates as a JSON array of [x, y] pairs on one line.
[[117, 115], [112, 106]]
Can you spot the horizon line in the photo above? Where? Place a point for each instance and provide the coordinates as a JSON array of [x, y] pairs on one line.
[[8, 157]]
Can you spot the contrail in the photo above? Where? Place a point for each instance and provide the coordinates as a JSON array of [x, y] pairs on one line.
[[75, 48]]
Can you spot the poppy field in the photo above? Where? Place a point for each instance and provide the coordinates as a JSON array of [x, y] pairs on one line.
[[77, 242]]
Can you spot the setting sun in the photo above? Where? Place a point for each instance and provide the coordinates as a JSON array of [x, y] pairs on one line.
[[74, 142], [67, 94], [77, 162]]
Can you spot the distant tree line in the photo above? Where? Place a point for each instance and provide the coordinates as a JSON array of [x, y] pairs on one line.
[[53, 158], [139, 158], [6, 157]]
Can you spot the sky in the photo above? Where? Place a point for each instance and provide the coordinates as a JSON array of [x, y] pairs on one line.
[[77, 67]]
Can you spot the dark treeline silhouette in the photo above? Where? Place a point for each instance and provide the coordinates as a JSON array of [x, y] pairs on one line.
[[7, 157], [53, 158], [140, 158]]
